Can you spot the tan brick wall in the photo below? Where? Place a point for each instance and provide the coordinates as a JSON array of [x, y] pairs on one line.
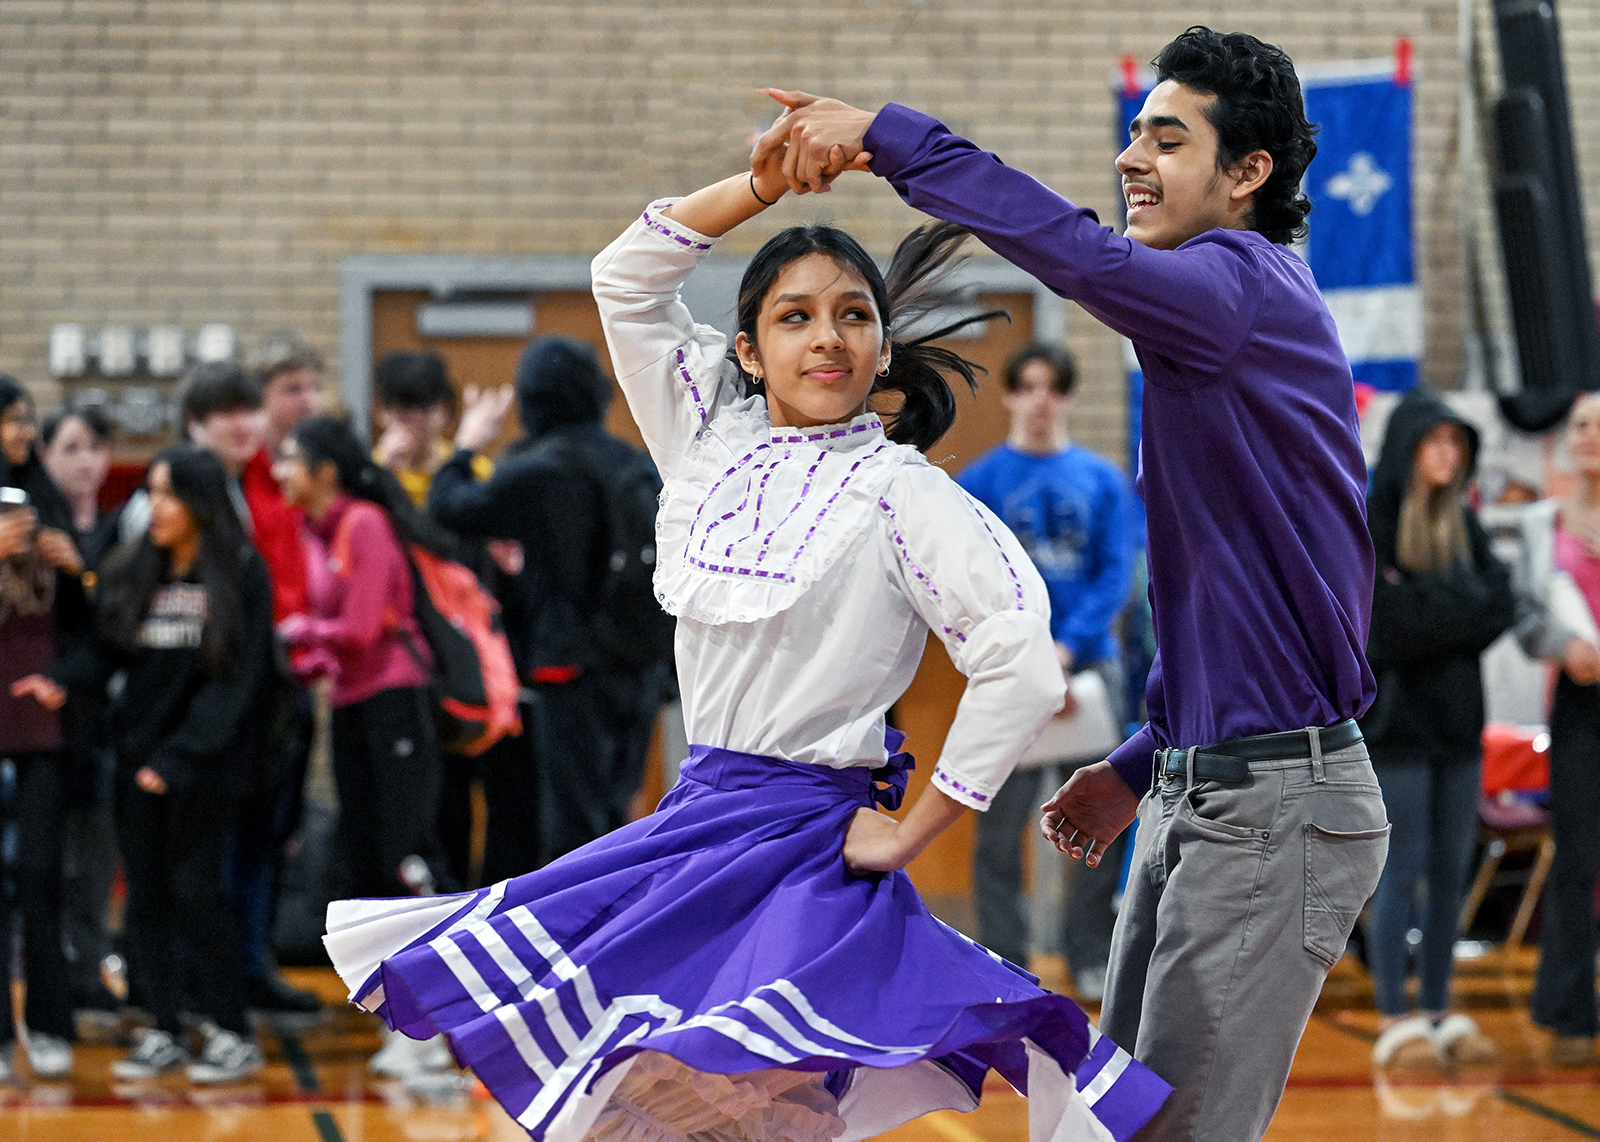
[[213, 160]]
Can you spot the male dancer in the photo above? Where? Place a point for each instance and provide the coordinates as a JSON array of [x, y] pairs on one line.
[[1262, 830]]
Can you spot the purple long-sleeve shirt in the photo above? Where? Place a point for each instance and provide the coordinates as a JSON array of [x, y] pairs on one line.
[[1250, 460]]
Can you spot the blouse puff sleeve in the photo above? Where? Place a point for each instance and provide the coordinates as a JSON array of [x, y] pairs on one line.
[[672, 371], [969, 579]]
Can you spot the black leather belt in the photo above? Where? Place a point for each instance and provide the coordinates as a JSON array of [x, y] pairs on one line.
[[1230, 760]]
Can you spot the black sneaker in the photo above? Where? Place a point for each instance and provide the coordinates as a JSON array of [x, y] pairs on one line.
[[226, 1058], [155, 1053], [273, 993]]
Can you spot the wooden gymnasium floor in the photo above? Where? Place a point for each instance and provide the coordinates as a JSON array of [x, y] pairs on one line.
[[315, 1087]]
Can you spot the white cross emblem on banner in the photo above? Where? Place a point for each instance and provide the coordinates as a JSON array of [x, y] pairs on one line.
[[1361, 184]]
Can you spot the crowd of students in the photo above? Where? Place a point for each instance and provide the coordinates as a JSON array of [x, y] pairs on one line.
[[160, 667]]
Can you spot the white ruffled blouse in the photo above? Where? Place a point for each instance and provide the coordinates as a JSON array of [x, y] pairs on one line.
[[806, 566]]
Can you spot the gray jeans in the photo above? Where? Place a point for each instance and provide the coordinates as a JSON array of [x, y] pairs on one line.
[[1239, 900]]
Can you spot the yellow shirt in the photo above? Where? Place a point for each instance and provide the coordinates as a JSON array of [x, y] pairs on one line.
[[417, 481]]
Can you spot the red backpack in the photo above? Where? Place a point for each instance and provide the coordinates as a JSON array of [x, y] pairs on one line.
[[474, 680]]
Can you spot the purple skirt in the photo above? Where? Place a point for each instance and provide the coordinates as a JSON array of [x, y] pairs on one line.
[[725, 931]]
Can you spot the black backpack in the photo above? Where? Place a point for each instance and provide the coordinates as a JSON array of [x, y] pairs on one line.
[[625, 620]]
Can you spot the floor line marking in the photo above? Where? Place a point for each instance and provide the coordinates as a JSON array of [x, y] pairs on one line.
[[1576, 1125], [294, 1053], [305, 1077], [327, 1128]]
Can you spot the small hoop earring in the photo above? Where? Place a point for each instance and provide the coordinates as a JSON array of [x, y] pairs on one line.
[[883, 372], [757, 379]]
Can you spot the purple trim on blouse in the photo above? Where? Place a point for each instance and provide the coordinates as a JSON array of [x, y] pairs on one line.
[[1016, 582], [829, 434], [694, 390], [922, 576], [944, 778], [761, 572], [688, 243], [761, 492], [839, 491]]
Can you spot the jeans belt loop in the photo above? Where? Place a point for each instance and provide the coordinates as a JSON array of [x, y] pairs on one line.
[[1188, 758], [1318, 773]]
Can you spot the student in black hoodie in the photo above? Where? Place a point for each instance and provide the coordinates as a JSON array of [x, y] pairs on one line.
[[186, 611], [591, 727], [1440, 599]]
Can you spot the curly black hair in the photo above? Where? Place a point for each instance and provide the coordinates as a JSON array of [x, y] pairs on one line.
[[1258, 107]]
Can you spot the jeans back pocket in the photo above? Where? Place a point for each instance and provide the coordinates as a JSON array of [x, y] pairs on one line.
[[1342, 870]]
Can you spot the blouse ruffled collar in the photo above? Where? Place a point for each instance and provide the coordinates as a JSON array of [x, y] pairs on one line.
[[759, 513]]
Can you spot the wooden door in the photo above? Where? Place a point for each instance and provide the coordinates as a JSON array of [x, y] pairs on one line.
[[492, 361]]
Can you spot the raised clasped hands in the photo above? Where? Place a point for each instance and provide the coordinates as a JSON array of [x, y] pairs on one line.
[[1089, 812], [812, 142]]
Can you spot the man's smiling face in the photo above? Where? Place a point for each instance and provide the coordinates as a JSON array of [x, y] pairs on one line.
[[1171, 184]]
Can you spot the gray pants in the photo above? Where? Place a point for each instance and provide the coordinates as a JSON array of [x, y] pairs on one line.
[[1239, 900]]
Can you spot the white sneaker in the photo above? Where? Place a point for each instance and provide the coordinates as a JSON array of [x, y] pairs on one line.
[[1461, 1042], [154, 1052], [226, 1058], [49, 1056], [1408, 1045], [403, 1057]]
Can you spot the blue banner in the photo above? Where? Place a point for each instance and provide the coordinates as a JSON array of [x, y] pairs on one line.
[[1360, 247]]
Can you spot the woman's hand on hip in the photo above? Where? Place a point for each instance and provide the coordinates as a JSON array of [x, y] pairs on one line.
[[873, 843], [876, 842]]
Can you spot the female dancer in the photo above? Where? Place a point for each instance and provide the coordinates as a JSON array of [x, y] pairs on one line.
[[186, 610], [1441, 599], [750, 962]]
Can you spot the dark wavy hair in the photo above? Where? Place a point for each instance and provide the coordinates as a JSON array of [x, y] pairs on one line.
[[94, 417], [138, 569], [908, 293], [1058, 357], [327, 439], [407, 380], [1258, 107]]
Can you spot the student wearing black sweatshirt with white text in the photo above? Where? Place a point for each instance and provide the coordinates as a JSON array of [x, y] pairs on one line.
[[186, 611]]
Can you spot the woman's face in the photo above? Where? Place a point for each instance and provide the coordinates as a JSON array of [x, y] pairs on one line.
[[18, 426], [1583, 436], [292, 473], [77, 459], [819, 343], [1440, 456], [171, 524]]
